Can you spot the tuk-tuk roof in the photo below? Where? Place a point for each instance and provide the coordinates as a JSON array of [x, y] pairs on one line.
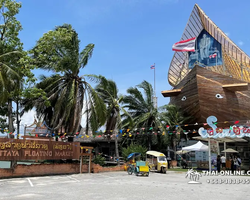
[[155, 153]]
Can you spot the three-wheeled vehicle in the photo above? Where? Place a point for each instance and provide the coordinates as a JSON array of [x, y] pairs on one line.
[[157, 161], [137, 167]]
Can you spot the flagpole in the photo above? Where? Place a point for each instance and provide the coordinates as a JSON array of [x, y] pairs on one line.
[[154, 81]]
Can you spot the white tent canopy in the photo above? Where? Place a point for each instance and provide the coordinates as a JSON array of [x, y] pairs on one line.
[[199, 146]]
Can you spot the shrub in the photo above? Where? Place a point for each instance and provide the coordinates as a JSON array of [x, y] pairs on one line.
[[132, 149], [99, 160]]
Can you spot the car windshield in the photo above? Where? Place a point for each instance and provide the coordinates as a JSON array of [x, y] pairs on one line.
[[162, 158]]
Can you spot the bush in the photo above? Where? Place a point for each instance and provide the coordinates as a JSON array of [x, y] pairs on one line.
[[134, 148], [99, 160]]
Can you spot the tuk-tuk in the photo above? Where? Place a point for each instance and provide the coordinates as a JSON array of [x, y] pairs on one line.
[[157, 161], [136, 167]]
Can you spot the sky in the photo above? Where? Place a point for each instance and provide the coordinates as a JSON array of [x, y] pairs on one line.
[[130, 35]]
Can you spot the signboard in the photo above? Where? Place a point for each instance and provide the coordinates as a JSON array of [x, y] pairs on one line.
[[14, 149], [207, 51], [214, 161], [214, 151], [215, 132], [201, 156]]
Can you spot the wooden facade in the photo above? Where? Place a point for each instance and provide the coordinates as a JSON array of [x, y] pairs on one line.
[[205, 93]]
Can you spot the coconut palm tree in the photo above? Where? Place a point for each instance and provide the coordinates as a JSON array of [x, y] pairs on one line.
[[66, 90], [141, 108], [108, 91], [172, 116]]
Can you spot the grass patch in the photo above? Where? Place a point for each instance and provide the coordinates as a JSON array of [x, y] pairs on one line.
[[178, 170], [182, 170]]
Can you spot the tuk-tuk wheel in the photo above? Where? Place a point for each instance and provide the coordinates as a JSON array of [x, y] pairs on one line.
[[164, 170], [130, 170], [147, 174]]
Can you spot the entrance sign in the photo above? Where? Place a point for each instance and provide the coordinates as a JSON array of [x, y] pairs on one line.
[[14, 149], [214, 132]]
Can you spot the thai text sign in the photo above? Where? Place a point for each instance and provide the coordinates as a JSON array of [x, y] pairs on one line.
[[14, 149], [214, 132]]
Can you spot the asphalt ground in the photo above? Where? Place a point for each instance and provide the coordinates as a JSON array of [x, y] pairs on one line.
[[121, 186]]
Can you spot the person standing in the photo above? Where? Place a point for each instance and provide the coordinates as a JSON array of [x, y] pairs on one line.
[[218, 163], [239, 162], [236, 164], [223, 162], [232, 162]]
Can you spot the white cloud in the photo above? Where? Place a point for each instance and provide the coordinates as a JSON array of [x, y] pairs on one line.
[[27, 119], [241, 43]]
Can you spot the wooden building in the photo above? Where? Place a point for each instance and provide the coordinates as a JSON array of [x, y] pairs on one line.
[[212, 81]]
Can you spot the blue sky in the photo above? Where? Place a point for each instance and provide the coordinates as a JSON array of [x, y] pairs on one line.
[[131, 35]]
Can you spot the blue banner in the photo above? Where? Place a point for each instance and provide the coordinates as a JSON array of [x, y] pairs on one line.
[[207, 51]]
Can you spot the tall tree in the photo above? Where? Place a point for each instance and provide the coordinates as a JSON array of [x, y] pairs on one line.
[[10, 49], [172, 116], [108, 91], [66, 89], [141, 109]]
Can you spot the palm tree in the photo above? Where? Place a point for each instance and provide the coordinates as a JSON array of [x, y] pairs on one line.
[[141, 108], [171, 115], [66, 90], [108, 91]]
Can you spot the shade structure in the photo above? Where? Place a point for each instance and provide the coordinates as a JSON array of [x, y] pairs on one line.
[[199, 146], [180, 152], [230, 151]]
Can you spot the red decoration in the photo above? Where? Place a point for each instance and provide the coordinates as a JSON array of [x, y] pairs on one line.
[[167, 126], [236, 122], [36, 135]]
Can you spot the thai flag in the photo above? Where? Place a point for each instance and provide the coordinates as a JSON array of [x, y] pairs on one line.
[[185, 45], [213, 55], [152, 67]]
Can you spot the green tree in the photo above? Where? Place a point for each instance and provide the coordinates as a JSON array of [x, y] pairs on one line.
[[134, 148], [141, 108], [66, 90], [11, 51], [108, 91], [172, 116]]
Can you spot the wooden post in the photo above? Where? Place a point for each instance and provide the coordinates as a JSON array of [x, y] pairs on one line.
[[80, 164], [90, 164]]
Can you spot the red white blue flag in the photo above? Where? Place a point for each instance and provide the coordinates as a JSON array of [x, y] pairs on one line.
[[185, 45], [152, 67]]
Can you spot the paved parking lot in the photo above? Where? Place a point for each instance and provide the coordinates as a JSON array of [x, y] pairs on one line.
[[120, 186]]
